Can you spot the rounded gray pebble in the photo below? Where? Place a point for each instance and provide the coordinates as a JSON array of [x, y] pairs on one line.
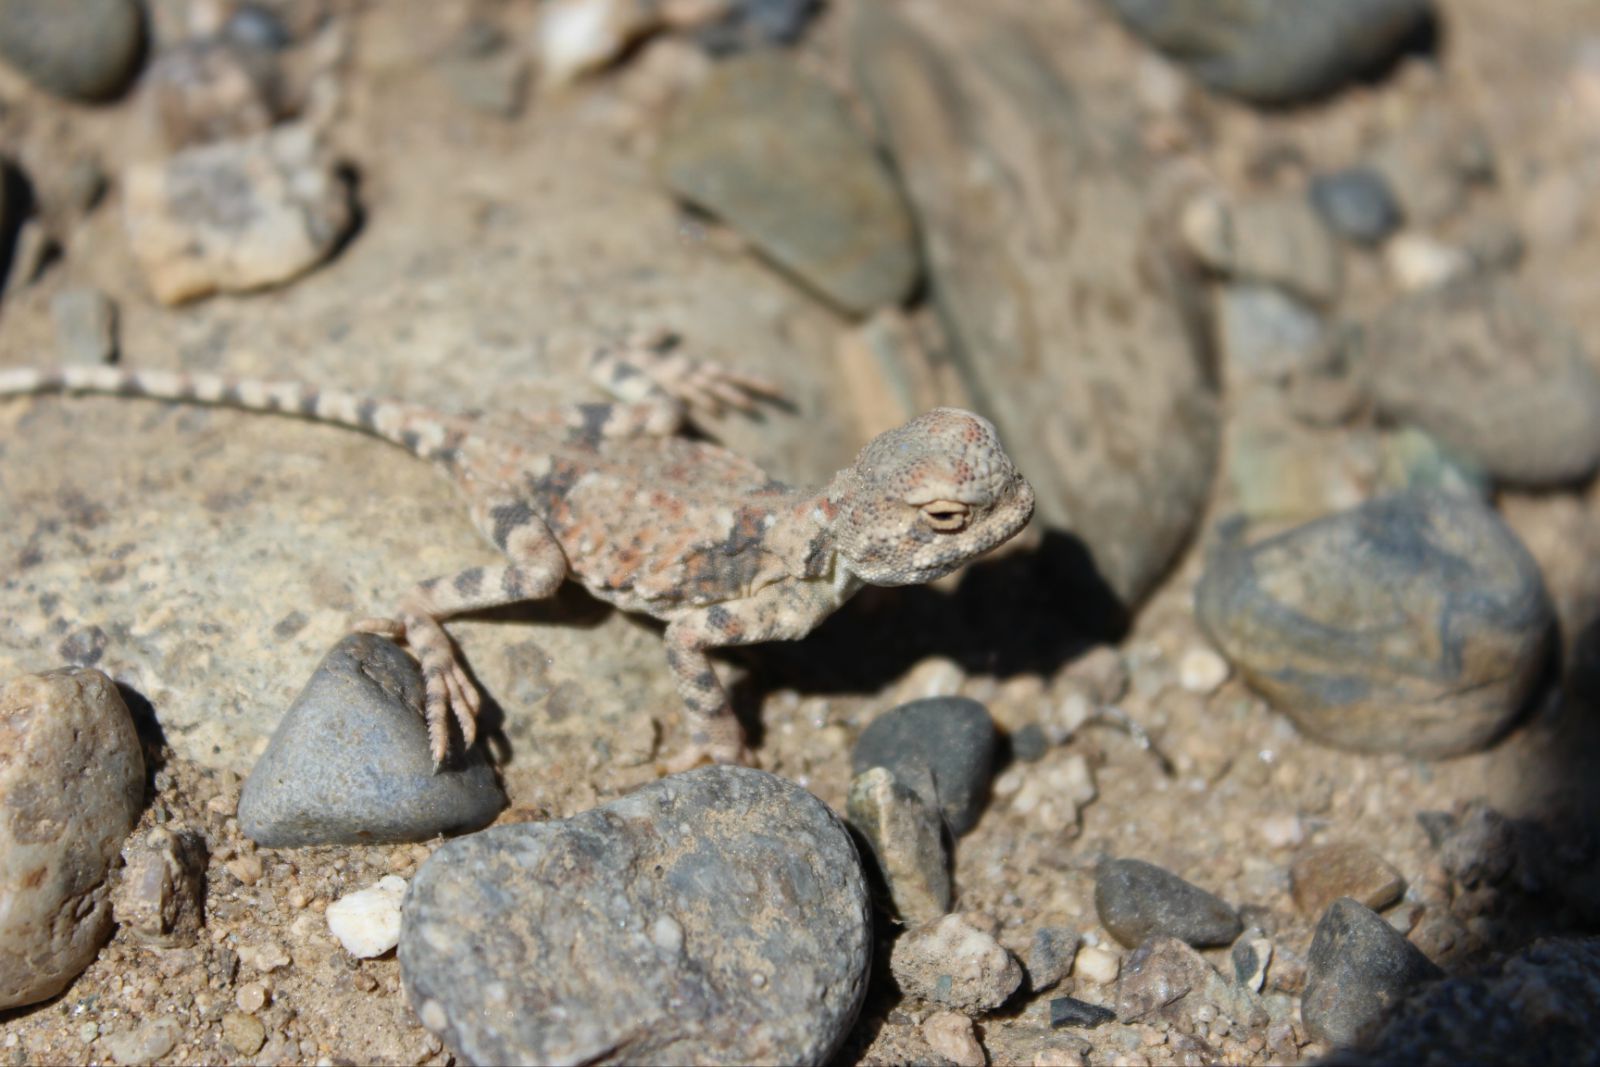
[[718, 916], [1137, 901], [79, 49], [71, 786], [1360, 967], [1415, 623], [1357, 204], [941, 747], [349, 762]]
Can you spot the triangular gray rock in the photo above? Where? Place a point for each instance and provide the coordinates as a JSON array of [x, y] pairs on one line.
[[349, 762]]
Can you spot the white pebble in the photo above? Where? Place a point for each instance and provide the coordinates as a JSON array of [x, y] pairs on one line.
[[367, 922], [1202, 671], [1097, 965], [1417, 261], [1281, 831]]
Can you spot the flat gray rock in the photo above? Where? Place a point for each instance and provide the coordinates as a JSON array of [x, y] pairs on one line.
[[942, 748], [71, 786], [772, 151], [718, 916], [1137, 901], [349, 763], [1415, 623], [1359, 969], [1491, 374]]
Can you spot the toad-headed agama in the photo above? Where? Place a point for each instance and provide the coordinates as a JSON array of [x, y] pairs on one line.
[[611, 496]]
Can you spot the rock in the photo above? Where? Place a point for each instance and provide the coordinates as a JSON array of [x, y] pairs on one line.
[[1070, 1011], [1415, 623], [145, 1043], [1282, 470], [906, 839], [949, 1034], [1360, 968], [1491, 375], [1412, 459], [1323, 874], [1251, 956], [1097, 965], [715, 915], [1165, 979], [71, 786], [367, 922], [1276, 51], [941, 747], [235, 215], [758, 23], [1432, 163], [1076, 329], [1050, 956], [485, 72], [576, 37], [1536, 1006], [1266, 334], [955, 963], [244, 1032], [211, 90], [1278, 241], [1137, 901], [349, 762], [255, 25], [160, 898], [1418, 262], [1357, 204], [1202, 671], [1480, 847], [86, 50], [764, 146], [86, 325]]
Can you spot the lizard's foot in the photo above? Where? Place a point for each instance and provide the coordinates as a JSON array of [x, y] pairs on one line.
[[723, 742], [447, 691], [702, 385]]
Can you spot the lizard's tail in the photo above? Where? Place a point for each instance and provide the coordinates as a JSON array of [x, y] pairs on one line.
[[411, 427]]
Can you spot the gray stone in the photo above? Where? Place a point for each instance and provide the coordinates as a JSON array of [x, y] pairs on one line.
[[1414, 623], [160, 897], [758, 23], [235, 215], [955, 962], [1324, 873], [1050, 956], [71, 786], [1490, 374], [486, 73], [1166, 980], [1267, 335], [906, 839], [1357, 204], [718, 916], [254, 25], [144, 1043], [1072, 324], [86, 325], [84, 50], [941, 747], [1070, 1011], [349, 762], [1276, 51], [773, 152], [1251, 955], [1137, 901], [1359, 969], [1277, 240]]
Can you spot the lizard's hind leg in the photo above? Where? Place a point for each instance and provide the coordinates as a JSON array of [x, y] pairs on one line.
[[536, 569], [648, 368]]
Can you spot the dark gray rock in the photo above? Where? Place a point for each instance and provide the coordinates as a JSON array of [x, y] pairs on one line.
[[83, 50], [71, 786], [1070, 1011], [1070, 321], [1490, 374], [941, 747], [1050, 956], [906, 839], [1357, 204], [758, 23], [1276, 51], [1266, 334], [1360, 968], [1414, 623], [254, 25], [1137, 901], [1538, 1006], [764, 146], [349, 762], [718, 916]]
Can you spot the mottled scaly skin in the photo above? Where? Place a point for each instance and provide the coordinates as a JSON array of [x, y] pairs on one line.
[[682, 530]]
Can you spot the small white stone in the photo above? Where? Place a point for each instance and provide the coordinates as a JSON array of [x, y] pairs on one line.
[[1202, 671], [667, 934], [1417, 261], [1097, 965], [1282, 830], [367, 922]]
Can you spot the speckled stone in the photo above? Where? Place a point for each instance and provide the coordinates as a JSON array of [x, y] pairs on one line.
[[718, 916], [349, 762], [941, 747], [1414, 623], [1137, 901], [1359, 969], [956, 962], [71, 786]]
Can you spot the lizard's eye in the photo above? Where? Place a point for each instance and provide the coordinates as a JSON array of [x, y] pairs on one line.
[[946, 516]]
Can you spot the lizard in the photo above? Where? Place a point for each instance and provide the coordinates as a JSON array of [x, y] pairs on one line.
[[616, 497]]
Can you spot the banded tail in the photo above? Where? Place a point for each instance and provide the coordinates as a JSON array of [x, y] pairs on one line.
[[419, 430]]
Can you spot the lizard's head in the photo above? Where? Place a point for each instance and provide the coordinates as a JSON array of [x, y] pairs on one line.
[[923, 499]]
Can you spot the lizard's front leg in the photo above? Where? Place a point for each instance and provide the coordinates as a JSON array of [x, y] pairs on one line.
[[536, 569]]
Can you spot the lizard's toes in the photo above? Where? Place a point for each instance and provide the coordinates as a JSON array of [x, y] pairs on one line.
[[393, 629]]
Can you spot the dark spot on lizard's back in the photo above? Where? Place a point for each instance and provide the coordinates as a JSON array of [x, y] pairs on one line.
[[468, 581], [556, 482], [593, 430], [747, 532], [230, 394], [366, 412], [309, 399], [508, 517], [410, 439], [817, 556], [719, 617]]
